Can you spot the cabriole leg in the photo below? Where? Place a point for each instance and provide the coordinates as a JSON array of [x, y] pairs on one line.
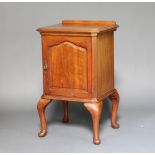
[[95, 110], [115, 103], [66, 115], [41, 106]]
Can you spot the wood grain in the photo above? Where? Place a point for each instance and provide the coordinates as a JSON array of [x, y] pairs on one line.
[[79, 27], [95, 110], [67, 61], [115, 103], [69, 66], [88, 22], [41, 106], [78, 65], [105, 63]]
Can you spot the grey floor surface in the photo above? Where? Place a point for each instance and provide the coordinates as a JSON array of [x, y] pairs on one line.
[[19, 127]]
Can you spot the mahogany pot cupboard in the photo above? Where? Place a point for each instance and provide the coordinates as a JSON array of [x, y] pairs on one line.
[[78, 65]]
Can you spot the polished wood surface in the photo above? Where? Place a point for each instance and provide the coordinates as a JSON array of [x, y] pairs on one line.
[[95, 110], [78, 65], [66, 115], [41, 106], [115, 103], [68, 66], [88, 22], [59, 57], [79, 27], [105, 63]]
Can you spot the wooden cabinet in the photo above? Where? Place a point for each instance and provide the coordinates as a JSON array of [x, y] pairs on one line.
[[78, 65]]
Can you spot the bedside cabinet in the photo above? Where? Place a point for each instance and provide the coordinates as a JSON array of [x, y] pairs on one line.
[[78, 65]]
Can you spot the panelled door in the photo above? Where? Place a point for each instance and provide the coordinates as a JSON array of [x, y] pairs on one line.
[[67, 66]]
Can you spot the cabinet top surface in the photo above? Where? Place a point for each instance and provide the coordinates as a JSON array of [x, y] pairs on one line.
[[80, 26]]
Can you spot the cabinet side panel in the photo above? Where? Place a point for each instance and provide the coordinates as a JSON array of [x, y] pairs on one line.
[[105, 63]]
